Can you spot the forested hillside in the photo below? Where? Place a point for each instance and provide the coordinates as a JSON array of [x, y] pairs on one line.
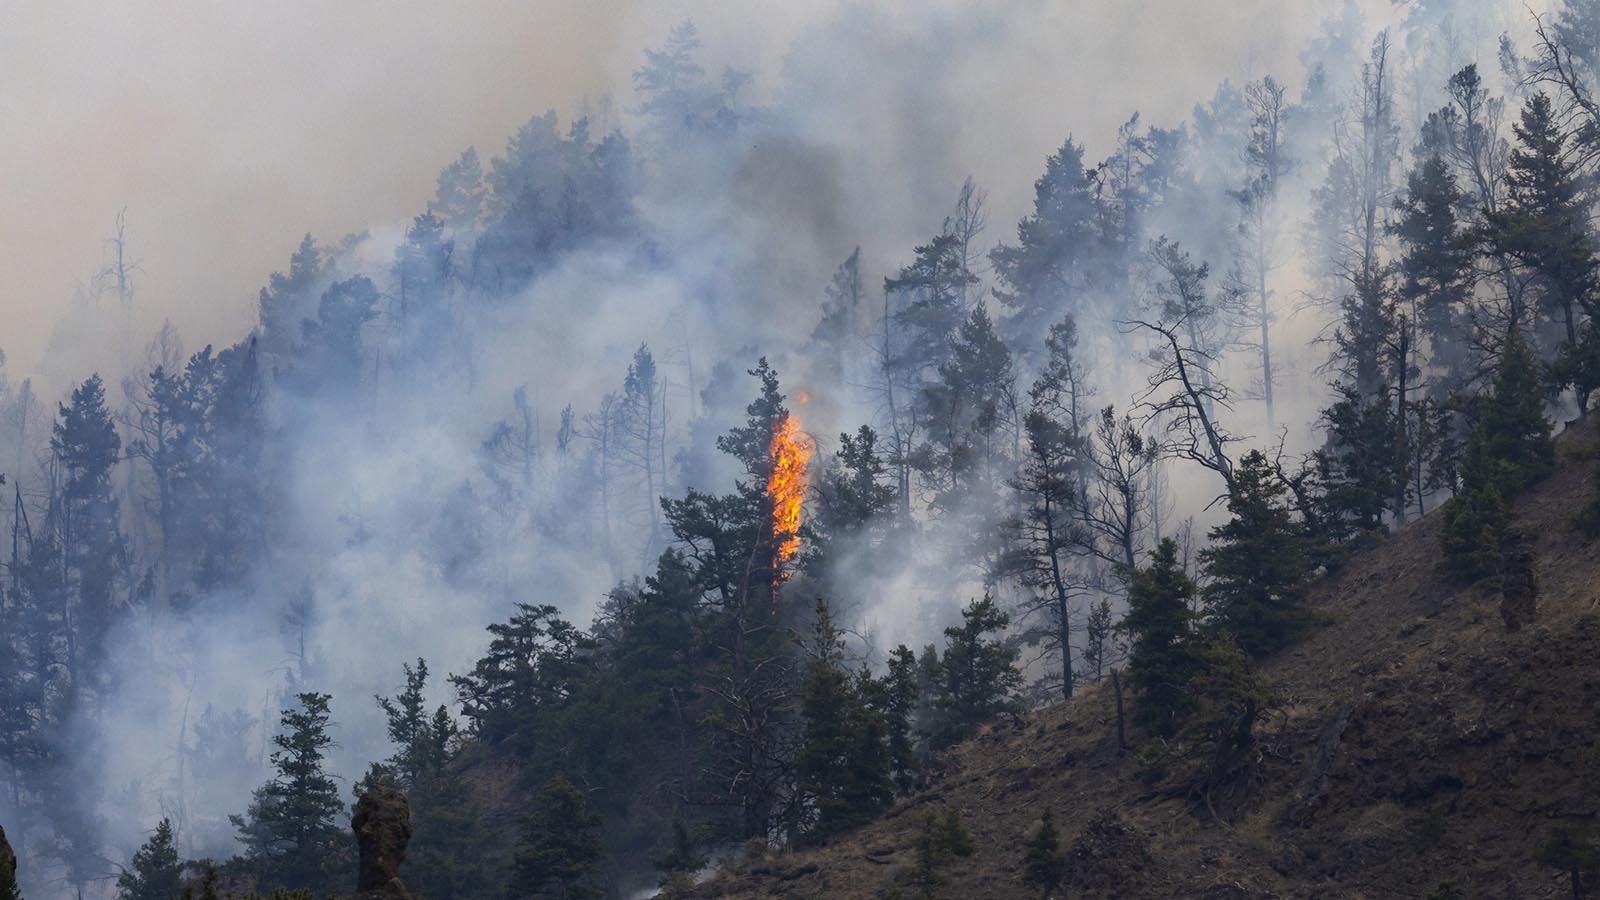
[[681, 502]]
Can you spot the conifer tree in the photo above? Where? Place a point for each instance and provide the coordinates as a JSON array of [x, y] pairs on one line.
[[1048, 268], [899, 707], [155, 872], [1543, 226], [1359, 466], [1048, 533], [292, 834], [977, 677], [1435, 269], [1042, 864], [842, 768], [1508, 450], [85, 442], [1257, 562], [560, 848], [1159, 626]]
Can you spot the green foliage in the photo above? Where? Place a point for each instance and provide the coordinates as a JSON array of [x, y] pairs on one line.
[[680, 857], [293, 834], [842, 767], [446, 857], [560, 848], [1044, 271], [1508, 450], [532, 670], [976, 680], [941, 837], [1158, 624], [1543, 227], [1042, 863], [1360, 466], [897, 701], [1435, 266], [155, 872], [851, 499], [1258, 562]]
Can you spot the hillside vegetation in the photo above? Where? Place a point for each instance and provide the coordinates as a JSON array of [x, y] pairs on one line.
[[1415, 748]]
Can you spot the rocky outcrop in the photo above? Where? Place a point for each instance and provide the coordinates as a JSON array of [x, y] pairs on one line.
[[8, 870], [382, 824]]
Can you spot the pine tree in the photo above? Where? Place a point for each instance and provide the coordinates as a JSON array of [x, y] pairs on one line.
[[1042, 864], [1159, 626], [155, 872], [1048, 268], [560, 848], [842, 768], [1048, 532], [899, 707], [1543, 227], [292, 833], [1508, 450], [1435, 269], [1097, 632], [459, 194], [1257, 563], [85, 442], [1360, 466], [926, 298], [977, 676]]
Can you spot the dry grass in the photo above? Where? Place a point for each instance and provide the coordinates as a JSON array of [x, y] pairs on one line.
[[1460, 747]]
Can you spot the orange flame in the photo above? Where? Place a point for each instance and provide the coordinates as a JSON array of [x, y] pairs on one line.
[[790, 450]]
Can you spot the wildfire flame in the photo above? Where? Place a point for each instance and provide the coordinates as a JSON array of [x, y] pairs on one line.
[[790, 451]]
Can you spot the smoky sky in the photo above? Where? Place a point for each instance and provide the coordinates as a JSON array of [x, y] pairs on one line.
[[227, 130]]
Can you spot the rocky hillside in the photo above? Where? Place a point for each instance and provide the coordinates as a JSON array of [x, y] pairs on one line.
[[1415, 749]]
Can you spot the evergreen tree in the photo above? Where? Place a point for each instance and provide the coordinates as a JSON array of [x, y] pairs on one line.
[[85, 443], [927, 299], [1435, 270], [155, 872], [459, 194], [851, 500], [1508, 450], [1048, 269], [898, 706], [1159, 626], [1543, 227], [1048, 533], [328, 359], [289, 298], [292, 833], [1097, 633], [842, 768], [977, 677], [536, 665], [560, 848], [1042, 864], [1360, 466], [1257, 563], [971, 414]]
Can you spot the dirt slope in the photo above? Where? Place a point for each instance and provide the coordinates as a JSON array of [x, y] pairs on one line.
[[1417, 743]]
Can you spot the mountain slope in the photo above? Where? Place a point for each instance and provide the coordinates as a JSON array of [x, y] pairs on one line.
[[1415, 742]]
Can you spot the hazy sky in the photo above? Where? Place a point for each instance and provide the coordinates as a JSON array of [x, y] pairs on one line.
[[228, 129]]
